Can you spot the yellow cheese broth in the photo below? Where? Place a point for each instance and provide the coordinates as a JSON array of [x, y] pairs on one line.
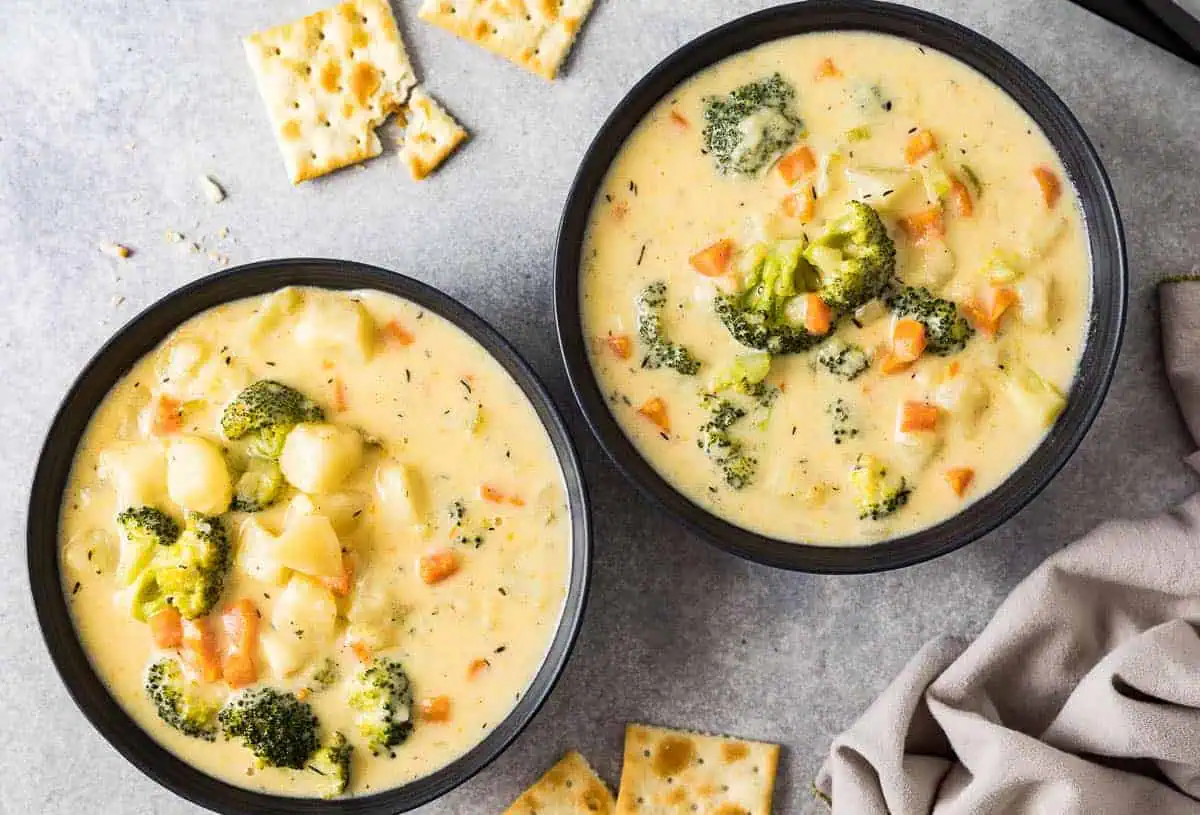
[[663, 200], [504, 603]]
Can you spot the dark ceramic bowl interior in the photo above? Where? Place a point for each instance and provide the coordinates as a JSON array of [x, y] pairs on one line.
[[138, 338], [1109, 277]]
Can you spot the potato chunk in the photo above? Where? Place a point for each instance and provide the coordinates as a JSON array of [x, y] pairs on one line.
[[337, 325], [137, 472], [258, 553], [308, 544], [318, 457], [303, 622], [197, 476], [401, 494]]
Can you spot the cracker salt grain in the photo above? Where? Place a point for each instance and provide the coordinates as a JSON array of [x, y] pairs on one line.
[[535, 34], [570, 787], [670, 772], [430, 134], [328, 80]]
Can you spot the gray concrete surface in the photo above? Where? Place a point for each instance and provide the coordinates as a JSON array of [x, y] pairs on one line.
[[110, 110]]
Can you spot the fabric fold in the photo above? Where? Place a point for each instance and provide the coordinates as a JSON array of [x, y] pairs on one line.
[[1082, 695]]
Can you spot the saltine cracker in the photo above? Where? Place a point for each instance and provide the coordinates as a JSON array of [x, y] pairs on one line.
[[535, 34], [673, 772], [328, 80], [570, 787], [430, 134]]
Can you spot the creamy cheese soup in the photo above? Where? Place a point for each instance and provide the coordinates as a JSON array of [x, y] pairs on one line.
[[397, 535], [836, 287]]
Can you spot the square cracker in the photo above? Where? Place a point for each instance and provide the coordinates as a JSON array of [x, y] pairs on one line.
[[671, 771], [430, 134], [328, 80], [570, 787], [535, 34]]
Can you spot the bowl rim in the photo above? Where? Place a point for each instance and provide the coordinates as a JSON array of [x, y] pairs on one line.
[[145, 332], [1108, 263]]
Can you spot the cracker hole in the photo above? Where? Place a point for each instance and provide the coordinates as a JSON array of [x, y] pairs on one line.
[[320, 35], [296, 105], [278, 52], [364, 19], [724, 788], [646, 753], [313, 155], [569, 783], [756, 769]]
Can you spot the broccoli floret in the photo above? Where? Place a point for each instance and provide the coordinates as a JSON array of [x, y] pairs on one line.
[[747, 129], [277, 727], [332, 763], [854, 256], [189, 574], [757, 317], [258, 487], [728, 453], [844, 360], [660, 351], [143, 530], [877, 495], [178, 704], [267, 411], [842, 422], [147, 525], [946, 331], [382, 695]]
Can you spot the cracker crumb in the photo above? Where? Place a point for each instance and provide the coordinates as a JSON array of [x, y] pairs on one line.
[[172, 236], [193, 247], [218, 258], [224, 233], [212, 190], [115, 250], [118, 300]]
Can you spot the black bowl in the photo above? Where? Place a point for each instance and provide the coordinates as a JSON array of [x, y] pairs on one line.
[[138, 338], [1109, 277]]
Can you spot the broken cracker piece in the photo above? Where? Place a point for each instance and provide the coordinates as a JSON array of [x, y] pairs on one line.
[[570, 787], [430, 134], [115, 250], [672, 771], [535, 34], [212, 190], [328, 80]]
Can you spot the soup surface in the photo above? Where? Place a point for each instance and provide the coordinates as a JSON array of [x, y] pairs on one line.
[[836, 287], [402, 575]]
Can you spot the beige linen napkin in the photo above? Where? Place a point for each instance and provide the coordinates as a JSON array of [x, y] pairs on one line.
[[1082, 695]]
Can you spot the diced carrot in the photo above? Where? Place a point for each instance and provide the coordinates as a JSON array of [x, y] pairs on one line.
[[656, 411], [200, 649], [679, 120], [818, 316], [339, 395], [516, 500], [890, 364], [396, 333], [918, 416], [959, 479], [801, 205], [436, 709], [908, 340], [437, 566], [620, 345], [361, 650], [489, 493], [340, 585], [797, 164], [827, 69], [327, 364], [920, 144], [713, 260], [166, 628], [303, 693], [168, 415], [985, 313], [953, 369], [1049, 184], [960, 199], [924, 226], [477, 667], [240, 622]]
